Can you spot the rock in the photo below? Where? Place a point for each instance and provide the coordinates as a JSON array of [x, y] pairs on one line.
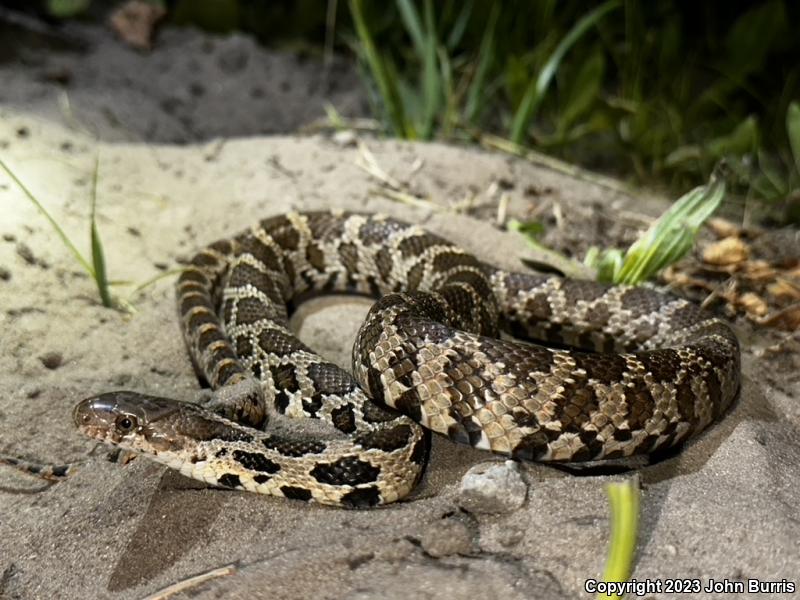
[[447, 537], [492, 487], [51, 360], [344, 138]]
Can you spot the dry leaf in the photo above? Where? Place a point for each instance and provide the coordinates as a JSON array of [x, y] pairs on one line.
[[723, 228], [759, 270], [729, 251], [135, 22], [753, 304], [784, 289]]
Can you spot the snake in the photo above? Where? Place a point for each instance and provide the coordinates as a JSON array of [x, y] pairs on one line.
[[526, 365]]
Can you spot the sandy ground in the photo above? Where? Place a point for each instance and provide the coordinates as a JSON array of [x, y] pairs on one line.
[[725, 507]]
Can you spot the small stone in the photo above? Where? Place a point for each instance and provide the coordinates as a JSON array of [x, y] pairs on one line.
[[492, 488], [52, 360], [397, 551], [510, 536], [446, 538], [344, 138], [24, 251]]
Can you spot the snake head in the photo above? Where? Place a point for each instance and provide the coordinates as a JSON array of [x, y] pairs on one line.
[[126, 419], [151, 424]]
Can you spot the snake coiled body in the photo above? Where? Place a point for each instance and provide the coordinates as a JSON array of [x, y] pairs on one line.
[[633, 371]]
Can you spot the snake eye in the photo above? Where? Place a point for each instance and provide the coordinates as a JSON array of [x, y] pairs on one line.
[[125, 423]]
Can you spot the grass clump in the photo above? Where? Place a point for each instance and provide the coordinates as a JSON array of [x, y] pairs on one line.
[[665, 242], [655, 92]]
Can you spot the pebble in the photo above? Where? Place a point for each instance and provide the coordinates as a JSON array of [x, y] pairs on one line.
[[344, 138], [493, 487], [52, 360], [446, 538]]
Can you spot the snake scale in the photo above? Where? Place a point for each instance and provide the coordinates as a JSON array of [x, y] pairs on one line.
[[629, 370]]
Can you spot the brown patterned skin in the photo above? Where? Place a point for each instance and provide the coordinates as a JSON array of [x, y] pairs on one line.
[[644, 371]]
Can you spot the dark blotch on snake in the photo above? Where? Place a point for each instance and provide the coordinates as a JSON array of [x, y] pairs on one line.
[[419, 455], [330, 379], [387, 440], [362, 497], [255, 462], [259, 479], [343, 418], [230, 481], [296, 493], [377, 414], [345, 471], [313, 404]]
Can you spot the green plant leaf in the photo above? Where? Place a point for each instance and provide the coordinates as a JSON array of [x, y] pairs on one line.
[[536, 90], [606, 262], [793, 131], [671, 236], [460, 25], [380, 72], [65, 9], [413, 24], [98, 256], [746, 42], [220, 16], [624, 498], [742, 140]]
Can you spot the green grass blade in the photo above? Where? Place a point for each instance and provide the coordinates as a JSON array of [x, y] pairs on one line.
[[460, 25], [536, 90], [477, 89], [98, 257], [450, 113], [413, 23], [67, 242], [623, 497], [386, 88], [793, 131], [424, 40], [66, 9]]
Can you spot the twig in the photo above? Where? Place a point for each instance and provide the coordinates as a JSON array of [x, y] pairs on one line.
[[369, 163], [409, 199], [175, 588], [502, 210]]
